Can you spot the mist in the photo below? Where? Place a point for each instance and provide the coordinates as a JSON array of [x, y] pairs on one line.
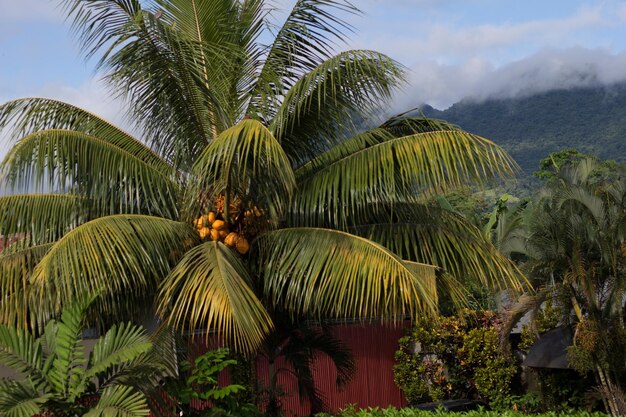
[[476, 79]]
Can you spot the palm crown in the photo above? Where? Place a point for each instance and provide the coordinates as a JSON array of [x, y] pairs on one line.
[[260, 135]]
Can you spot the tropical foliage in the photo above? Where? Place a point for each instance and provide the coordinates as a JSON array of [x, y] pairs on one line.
[[292, 349], [117, 377], [200, 381], [571, 243], [328, 222], [454, 357], [412, 412]]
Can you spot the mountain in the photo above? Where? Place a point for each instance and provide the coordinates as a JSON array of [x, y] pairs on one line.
[[529, 128]]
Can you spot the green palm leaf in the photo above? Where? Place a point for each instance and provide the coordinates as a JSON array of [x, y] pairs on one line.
[[122, 343], [306, 39], [147, 371], [231, 27], [328, 273], [440, 283], [99, 23], [30, 115], [247, 160], [438, 237], [171, 101], [314, 111], [20, 351], [120, 401], [42, 218], [177, 101], [16, 265], [20, 399], [65, 375], [123, 257], [405, 125], [112, 176], [210, 288], [299, 344], [376, 167]]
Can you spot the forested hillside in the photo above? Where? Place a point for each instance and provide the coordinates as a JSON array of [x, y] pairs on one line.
[[590, 119]]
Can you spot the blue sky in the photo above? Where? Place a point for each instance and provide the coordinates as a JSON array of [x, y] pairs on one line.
[[453, 48]]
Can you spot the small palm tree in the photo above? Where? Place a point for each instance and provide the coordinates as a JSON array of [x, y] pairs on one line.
[[328, 220], [295, 347], [121, 368]]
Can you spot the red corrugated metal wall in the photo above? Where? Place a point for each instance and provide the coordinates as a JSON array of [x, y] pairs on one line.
[[373, 347]]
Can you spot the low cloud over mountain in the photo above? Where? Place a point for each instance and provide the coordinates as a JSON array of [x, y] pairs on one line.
[[443, 85]]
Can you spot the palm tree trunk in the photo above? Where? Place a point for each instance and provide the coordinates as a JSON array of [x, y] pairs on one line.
[[609, 392], [608, 388]]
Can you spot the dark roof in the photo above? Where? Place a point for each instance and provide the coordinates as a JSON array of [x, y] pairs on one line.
[[550, 351]]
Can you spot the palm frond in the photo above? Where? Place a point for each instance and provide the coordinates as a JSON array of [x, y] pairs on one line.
[[306, 39], [99, 23], [510, 234], [64, 375], [246, 160], [440, 283], [582, 198], [147, 372], [438, 237], [175, 100], [120, 401], [41, 218], [210, 289], [20, 351], [329, 273], [300, 344], [376, 167], [234, 28], [113, 177], [427, 274], [17, 262], [120, 344], [404, 125], [30, 115], [315, 109], [20, 399], [122, 257]]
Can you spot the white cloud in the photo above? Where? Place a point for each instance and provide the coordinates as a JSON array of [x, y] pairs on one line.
[[442, 85], [469, 40]]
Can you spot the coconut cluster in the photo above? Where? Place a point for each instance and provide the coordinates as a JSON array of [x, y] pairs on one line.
[[212, 225]]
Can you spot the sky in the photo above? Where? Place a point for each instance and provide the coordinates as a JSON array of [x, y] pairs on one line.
[[453, 49]]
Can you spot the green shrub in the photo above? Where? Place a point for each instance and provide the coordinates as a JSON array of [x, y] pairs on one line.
[[201, 383], [455, 357], [351, 411]]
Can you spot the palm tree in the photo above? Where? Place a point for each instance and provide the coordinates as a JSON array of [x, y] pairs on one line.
[[298, 345], [571, 242], [261, 136], [114, 380]]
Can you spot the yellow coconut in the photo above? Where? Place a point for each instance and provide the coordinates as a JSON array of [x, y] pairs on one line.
[[242, 245], [204, 232], [218, 224], [199, 222], [223, 233], [215, 235], [211, 217], [231, 239]]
